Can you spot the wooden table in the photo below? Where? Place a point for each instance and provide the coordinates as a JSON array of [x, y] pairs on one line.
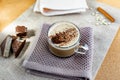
[[110, 69]]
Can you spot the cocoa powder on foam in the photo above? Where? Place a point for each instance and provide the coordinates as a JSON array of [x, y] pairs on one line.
[[64, 37]]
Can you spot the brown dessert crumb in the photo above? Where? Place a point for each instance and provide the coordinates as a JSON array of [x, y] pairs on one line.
[[13, 37], [64, 37], [21, 31]]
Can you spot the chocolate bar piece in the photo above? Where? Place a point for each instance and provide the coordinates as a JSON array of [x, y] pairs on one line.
[[5, 46], [17, 46], [21, 31], [0, 51]]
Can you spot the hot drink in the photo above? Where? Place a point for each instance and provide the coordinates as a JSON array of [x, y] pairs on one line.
[[63, 38]]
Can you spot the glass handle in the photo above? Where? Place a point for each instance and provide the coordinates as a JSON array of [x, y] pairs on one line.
[[82, 48]]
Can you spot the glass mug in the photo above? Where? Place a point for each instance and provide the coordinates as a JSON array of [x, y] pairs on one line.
[[70, 44]]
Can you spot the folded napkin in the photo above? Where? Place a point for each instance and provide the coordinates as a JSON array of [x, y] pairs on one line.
[[59, 7], [77, 67]]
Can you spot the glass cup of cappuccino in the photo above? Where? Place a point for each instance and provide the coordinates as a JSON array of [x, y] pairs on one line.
[[64, 39]]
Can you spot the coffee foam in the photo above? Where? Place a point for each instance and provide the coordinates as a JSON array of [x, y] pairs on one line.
[[62, 27]]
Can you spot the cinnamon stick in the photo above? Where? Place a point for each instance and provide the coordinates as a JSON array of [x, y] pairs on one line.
[[106, 14]]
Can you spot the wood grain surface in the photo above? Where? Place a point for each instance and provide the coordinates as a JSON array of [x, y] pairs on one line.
[[11, 9], [110, 69], [114, 3]]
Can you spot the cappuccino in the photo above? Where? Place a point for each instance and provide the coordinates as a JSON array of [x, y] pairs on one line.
[[63, 34], [63, 38]]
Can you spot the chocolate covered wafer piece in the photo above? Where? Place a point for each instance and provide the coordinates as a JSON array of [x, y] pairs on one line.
[[0, 51], [21, 31], [6, 46], [2, 46], [17, 46]]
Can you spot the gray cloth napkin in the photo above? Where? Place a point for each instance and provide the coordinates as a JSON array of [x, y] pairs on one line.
[[77, 67]]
